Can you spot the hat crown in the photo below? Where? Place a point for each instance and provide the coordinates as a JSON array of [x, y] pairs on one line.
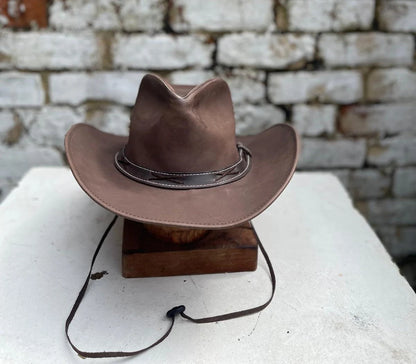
[[182, 128]]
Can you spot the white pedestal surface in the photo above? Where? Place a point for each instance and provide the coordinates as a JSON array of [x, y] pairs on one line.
[[339, 297]]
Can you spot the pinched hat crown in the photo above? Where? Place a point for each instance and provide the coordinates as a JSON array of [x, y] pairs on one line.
[[182, 163], [182, 128]]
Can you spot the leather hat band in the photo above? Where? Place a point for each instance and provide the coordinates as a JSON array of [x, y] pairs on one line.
[[183, 181]]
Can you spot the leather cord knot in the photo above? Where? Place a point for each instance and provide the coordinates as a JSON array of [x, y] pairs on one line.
[[178, 310]]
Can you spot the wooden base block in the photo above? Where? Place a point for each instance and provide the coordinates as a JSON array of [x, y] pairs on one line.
[[219, 251]]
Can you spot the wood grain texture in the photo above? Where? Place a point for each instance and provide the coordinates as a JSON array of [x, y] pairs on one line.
[[219, 251], [174, 234]]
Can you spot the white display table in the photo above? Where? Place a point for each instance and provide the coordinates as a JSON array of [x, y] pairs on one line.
[[339, 297]]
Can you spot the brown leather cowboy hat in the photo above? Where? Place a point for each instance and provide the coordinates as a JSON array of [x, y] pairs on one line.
[[182, 164]]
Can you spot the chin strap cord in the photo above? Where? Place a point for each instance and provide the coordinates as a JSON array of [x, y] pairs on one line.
[[171, 314]]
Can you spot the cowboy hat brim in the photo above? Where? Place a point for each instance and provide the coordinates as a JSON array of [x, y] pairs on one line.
[[91, 152]]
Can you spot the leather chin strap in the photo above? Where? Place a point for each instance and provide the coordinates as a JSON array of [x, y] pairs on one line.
[[171, 314]]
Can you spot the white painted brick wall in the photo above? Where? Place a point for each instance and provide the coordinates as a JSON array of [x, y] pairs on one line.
[[6, 48], [192, 77], [51, 124], [79, 14], [378, 119], [161, 51], [129, 15], [342, 87], [142, 14], [400, 241], [6, 125], [396, 151], [369, 183], [364, 184], [362, 49], [245, 85], [397, 15], [219, 15], [53, 51], [332, 154], [21, 89], [252, 119], [109, 118], [404, 184], [314, 120], [26, 116], [397, 84], [265, 50], [389, 211], [23, 156], [75, 88], [320, 16]]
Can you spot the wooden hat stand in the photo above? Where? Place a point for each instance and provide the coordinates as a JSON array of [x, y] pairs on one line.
[[156, 250]]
